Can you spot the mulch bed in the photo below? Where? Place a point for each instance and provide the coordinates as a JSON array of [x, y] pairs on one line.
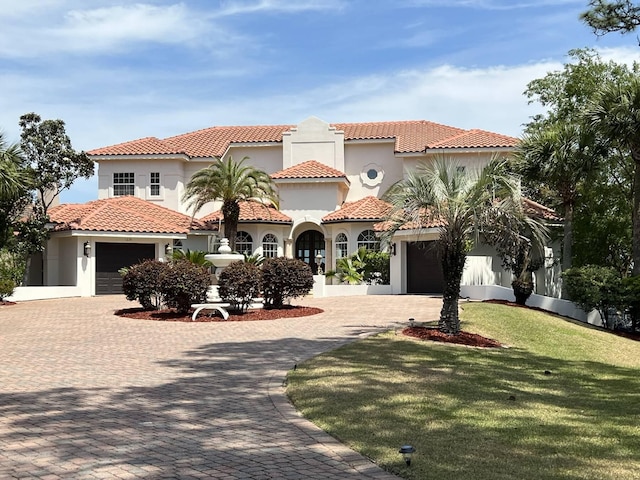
[[6, 302], [463, 338], [289, 311]]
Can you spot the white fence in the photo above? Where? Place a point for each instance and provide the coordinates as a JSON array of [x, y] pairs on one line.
[[22, 294], [555, 305]]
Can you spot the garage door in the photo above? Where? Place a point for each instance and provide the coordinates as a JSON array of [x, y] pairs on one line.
[[111, 257], [424, 272]]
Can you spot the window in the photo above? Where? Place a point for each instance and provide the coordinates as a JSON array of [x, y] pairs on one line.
[[244, 243], [368, 240], [123, 184], [154, 184], [269, 246], [342, 246]]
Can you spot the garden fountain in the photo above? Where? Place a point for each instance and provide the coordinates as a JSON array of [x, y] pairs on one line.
[[220, 261]]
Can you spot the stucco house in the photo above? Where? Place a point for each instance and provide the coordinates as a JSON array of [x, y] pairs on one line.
[[330, 177]]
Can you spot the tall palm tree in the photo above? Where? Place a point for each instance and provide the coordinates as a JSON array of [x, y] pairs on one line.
[[559, 155], [13, 181], [230, 182], [615, 113], [458, 202]]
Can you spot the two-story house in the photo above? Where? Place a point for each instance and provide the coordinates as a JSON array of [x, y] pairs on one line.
[[330, 178]]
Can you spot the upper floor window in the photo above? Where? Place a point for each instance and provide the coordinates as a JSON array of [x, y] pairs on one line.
[[368, 240], [123, 184], [269, 246], [154, 184], [244, 243], [342, 246]]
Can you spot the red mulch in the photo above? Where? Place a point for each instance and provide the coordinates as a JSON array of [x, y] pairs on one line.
[[7, 302], [252, 315], [463, 338]]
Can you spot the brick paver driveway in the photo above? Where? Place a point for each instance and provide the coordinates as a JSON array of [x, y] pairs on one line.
[[86, 394]]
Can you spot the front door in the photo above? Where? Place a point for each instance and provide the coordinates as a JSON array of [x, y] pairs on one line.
[[308, 245]]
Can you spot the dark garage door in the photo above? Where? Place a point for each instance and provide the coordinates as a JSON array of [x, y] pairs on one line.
[[424, 273], [111, 257]]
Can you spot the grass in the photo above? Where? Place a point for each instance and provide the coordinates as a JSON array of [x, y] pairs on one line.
[[485, 413]]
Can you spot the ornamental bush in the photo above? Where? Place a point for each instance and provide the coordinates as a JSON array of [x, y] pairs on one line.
[[594, 286], [141, 282], [284, 279], [7, 287], [183, 283], [239, 284]]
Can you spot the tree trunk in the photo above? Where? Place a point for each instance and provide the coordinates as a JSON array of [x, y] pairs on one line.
[[567, 243], [453, 260], [230, 214], [635, 154]]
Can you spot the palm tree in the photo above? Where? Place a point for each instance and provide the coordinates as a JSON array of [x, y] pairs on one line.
[[457, 203], [559, 155], [230, 182], [12, 180], [615, 113]]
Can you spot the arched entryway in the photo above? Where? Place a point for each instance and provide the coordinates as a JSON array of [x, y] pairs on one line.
[[309, 244]]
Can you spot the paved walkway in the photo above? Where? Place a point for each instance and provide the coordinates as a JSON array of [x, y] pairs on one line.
[[86, 395]]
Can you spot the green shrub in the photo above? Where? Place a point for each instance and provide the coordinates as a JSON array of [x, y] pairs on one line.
[[141, 282], [595, 287], [364, 266], [183, 283], [284, 279], [239, 284], [631, 297], [193, 256], [7, 287], [12, 266]]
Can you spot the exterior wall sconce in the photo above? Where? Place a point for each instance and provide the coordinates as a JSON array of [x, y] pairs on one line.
[[319, 262], [392, 249], [407, 452], [87, 249], [168, 249]]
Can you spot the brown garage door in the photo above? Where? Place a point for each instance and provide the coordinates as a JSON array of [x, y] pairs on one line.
[[424, 272], [111, 257]]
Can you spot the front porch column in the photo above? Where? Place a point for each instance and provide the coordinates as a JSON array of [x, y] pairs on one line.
[[288, 247]]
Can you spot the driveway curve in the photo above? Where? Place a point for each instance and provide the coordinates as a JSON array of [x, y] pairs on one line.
[[86, 394]]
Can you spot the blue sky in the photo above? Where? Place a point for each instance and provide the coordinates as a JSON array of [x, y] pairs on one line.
[[117, 71]]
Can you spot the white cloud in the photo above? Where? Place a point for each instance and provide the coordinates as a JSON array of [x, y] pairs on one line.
[[237, 7]]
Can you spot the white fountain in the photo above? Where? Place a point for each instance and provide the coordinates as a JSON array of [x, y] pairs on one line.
[[220, 261]]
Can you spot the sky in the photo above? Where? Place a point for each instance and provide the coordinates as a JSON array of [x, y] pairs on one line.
[[116, 71]]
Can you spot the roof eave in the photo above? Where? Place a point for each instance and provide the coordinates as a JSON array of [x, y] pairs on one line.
[[141, 156]]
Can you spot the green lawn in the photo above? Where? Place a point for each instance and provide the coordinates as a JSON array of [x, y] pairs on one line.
[[456, 404]]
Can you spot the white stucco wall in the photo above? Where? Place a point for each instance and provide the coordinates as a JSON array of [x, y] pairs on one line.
[[360, 157]]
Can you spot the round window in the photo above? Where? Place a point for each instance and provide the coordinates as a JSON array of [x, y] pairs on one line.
[[371, 175]]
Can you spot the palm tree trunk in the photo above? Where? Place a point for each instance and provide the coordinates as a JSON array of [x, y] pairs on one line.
[[230, 214], [453, 259]]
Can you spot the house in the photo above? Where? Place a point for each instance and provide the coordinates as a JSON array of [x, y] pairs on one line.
[[330, 178]]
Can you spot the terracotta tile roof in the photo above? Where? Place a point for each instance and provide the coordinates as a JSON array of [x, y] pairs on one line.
[[143, 146], [369, 208], [250, 212], [121, 214], [537, 210], [530, 207], [426, 221], [476, 139], [309, 169], [410, 136]]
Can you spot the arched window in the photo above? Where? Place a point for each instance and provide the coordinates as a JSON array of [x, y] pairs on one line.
[[342, 246], [368, 240], [269, 246], [244, 243]]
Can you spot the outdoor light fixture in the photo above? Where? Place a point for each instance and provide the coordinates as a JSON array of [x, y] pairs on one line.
[[393, 249], [319, 262], [407, 451], [87, 249], [167, 249], [412, 322]]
